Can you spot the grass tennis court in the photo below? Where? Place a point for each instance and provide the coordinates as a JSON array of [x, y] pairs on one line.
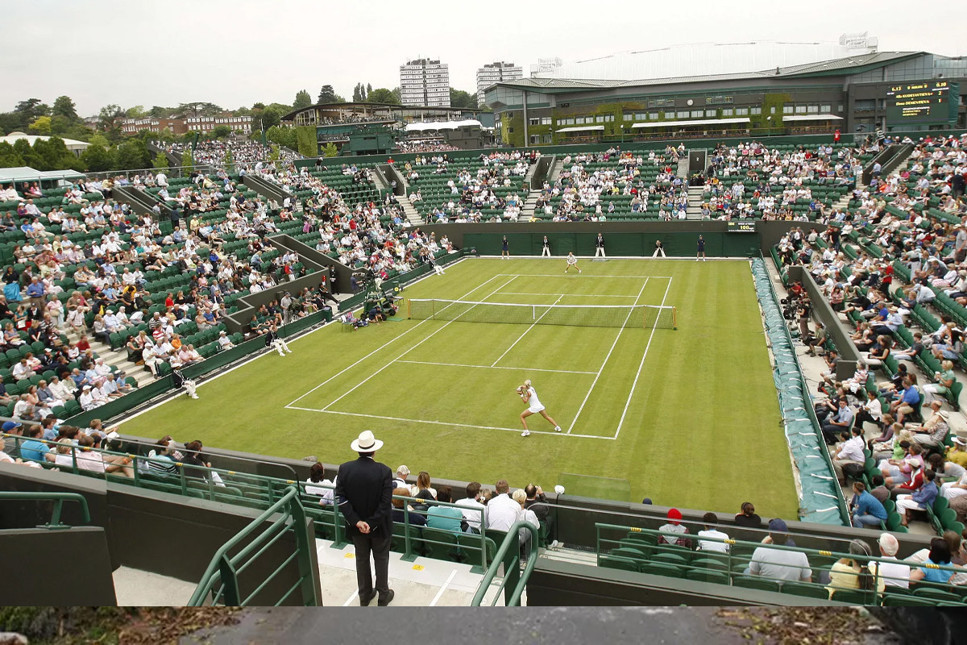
[[686, 416]]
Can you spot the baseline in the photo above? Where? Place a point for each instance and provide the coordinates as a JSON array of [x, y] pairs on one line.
[[549, 433]]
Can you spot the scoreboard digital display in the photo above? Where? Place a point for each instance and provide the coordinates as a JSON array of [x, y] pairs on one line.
[[740, 226], [922, 102]]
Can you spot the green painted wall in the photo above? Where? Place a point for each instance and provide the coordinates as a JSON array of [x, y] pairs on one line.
[[678, 244]]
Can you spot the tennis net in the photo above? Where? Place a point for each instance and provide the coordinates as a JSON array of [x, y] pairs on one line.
[[640, 316]]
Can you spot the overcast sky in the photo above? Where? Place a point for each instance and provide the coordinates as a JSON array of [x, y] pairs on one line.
[[237, 52]]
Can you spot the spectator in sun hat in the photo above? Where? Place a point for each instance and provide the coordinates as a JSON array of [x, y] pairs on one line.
[[674, 531]]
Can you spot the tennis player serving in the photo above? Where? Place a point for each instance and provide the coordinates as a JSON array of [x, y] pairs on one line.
[[529, 396]]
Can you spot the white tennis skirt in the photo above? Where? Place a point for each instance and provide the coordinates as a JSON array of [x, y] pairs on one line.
[[535, 409]]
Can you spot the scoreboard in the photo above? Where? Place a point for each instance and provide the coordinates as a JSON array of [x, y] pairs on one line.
[[933, 101], [740, 226]]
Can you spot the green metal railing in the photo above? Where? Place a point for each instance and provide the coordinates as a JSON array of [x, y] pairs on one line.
[[642, 550], [220, 583], [261, 492], [514, 582], [58, 499]]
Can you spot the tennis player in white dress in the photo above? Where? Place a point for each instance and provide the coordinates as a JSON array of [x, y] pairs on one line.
[[529, 395]]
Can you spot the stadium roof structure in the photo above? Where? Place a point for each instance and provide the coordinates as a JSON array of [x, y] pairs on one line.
[[833, 67], [72, 144], [23, 173], [442, 125]]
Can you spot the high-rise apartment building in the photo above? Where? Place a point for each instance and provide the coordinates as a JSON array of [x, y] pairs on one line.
[[425, 82], [496, 72]]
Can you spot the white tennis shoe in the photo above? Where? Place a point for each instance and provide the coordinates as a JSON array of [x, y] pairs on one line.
[[557, 428], [525, 433]]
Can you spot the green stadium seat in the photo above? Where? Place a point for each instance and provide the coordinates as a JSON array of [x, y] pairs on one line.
[[755, 582], [805, 589], [853, 596], [708, 575], [662, 569]]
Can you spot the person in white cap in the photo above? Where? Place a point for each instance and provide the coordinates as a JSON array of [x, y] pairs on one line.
[[401, 474], [364, 494]]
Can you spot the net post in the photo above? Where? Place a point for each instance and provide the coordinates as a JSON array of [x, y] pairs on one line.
[[409, 313], [674, 317]]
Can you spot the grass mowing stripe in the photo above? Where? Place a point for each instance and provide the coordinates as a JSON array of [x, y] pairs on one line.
[[431, 335], [634, 383], [519, 338], [494, 367], [601, 369], [378, 349]]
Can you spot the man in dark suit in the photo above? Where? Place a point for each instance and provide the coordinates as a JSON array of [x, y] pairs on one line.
[[364, 492]]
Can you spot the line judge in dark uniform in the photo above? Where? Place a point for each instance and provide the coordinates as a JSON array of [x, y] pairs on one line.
[[364, 492]]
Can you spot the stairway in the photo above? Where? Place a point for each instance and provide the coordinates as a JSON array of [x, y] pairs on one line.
[[694, 210], [555, 171], [528, 210], [413, 217], [115, 358]]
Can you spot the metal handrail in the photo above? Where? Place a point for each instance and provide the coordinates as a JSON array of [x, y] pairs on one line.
[[181, 482], [731, 559], [512, 574], [224, 569], [57, 498]]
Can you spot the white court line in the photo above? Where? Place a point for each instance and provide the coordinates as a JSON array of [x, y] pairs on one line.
[[581, 275], [446, 584], [380, 348], [352, 598], [519, 338], [640, 365], [549, 433], [428, 337], [601, 369], [569, 295], [491, 367]]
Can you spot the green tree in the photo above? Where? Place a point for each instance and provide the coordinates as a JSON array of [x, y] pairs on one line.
[[29, 111], [221, 131], [186, 159], [133, 154], [306, 143], [158, 112], [330, 150], [30, 156], [327, 95], [135, 112], [54, 154], [109, 120], [41, 125], [460, 99], [64, 107], [97, 158], [382, 95], [359, 93], [269, 117], [9, 157], [160, 160], [274, 153], [302, 100], [199, 108], [229, 161]]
